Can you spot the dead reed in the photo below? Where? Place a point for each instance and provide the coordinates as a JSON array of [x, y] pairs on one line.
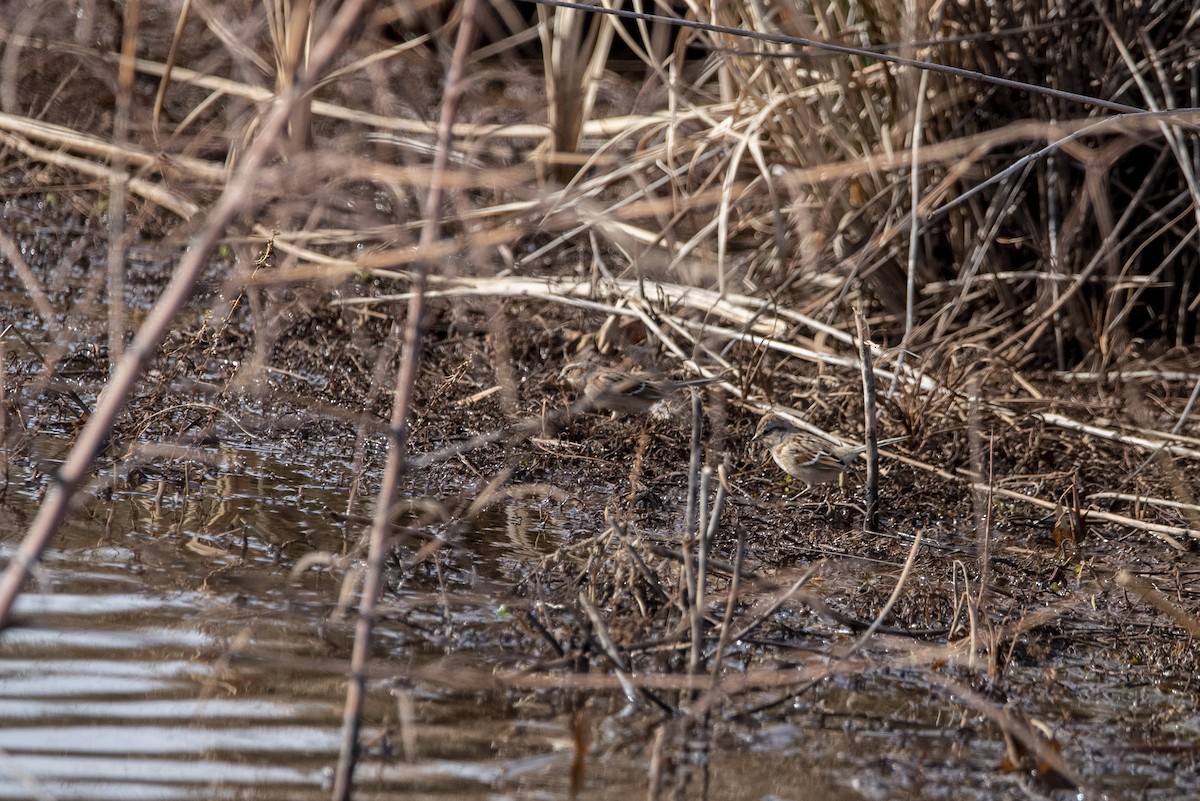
[[1003, 195]]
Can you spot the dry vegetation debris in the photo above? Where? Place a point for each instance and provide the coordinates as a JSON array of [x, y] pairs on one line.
[[1017, 232]]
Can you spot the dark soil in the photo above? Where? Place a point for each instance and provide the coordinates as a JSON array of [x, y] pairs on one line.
[[1010, 654]]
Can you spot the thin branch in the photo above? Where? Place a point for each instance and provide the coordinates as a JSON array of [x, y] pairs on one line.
[[236, 198], [405, 381]]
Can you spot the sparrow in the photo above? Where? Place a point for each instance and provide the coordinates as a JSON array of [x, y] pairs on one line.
[[811, 458], [624, 393]]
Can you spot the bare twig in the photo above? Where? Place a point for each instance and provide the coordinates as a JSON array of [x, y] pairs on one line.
[[405, 381], [871, 454], [689, 602], [118, 183], [913, 550], [10, 251], [235, 198], [829, 47], [735, 584], [1152, 596], [1008, 722], [1168, 534]]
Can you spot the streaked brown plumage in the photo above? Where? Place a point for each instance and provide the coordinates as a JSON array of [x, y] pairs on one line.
[[624, 393], [811, 458]]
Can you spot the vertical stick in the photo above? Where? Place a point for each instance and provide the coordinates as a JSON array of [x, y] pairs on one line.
[[691, 525], [701, 539], [872, 429], [406, 378], [739, 557], [118, 184]]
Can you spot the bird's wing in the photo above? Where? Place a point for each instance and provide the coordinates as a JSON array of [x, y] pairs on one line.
[[628, 385], [814, 453]]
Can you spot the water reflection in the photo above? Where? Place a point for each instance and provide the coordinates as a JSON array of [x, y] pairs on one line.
[[164, 650]]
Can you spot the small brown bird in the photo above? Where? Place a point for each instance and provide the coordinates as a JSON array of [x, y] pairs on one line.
[[811, 458], [623, 393]]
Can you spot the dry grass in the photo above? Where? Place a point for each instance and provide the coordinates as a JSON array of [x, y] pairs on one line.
[[1020, 242]]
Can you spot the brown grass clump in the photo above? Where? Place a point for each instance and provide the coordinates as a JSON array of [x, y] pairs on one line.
[[305, 205]]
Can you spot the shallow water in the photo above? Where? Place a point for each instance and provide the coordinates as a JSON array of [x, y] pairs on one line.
[[165, 650]]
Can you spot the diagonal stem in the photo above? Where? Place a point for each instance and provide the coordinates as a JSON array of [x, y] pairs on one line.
[[234, 199]]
